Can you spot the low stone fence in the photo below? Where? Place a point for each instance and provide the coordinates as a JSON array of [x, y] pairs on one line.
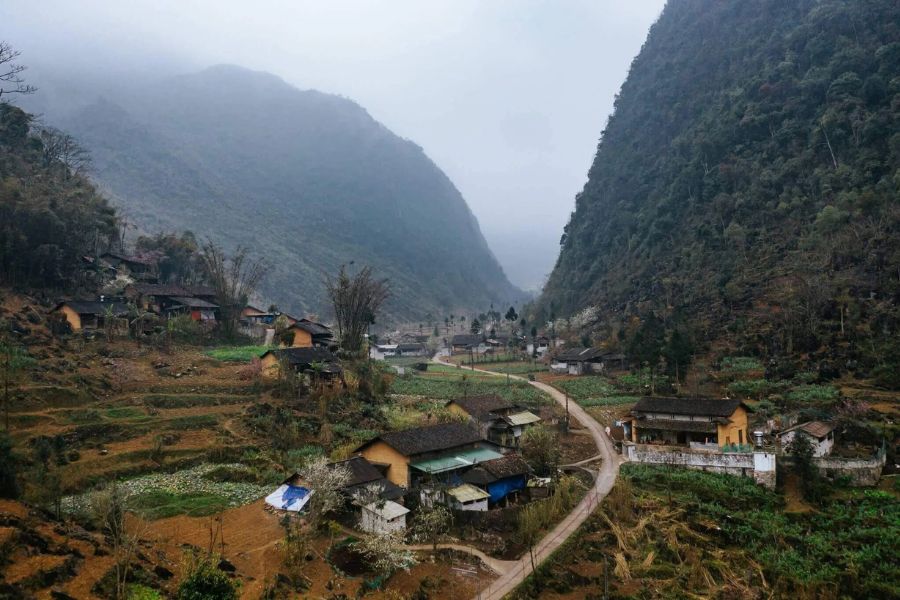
[[758, 465], [861, 472]]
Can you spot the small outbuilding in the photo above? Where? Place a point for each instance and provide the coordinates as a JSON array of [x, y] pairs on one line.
[[467, 497], [383, 517], [819, 434]]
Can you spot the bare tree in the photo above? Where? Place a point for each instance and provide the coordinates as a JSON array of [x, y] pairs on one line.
[[233, 278], [60, 148], [11, 80], [108, 507], [355, 300]]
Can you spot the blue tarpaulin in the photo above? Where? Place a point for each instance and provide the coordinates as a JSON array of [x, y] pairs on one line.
[[502, 488], [289, 497]]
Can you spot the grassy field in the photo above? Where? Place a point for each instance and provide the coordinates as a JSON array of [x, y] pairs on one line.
[[594, 390], [236, 353], [661, 531], [445, 383]]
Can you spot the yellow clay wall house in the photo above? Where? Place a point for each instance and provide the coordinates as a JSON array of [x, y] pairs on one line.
[[381, 453], [735, 431], [679, 420], [302, 339], [270, 365], [71, 316]]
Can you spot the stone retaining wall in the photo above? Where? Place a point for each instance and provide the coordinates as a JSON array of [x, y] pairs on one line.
[[758, 465]]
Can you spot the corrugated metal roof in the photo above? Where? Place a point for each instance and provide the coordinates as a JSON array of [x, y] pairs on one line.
[[389, 511], [456, 460], [523, 418], [467, 493]]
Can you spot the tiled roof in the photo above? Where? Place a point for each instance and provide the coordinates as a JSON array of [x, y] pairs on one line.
[[817, 429], [304, 356], [420, 440], [710, 407], [481, 407], [95, 307], [466, 340]]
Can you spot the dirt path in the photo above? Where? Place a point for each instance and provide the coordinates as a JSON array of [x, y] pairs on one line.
[[501, 567], [609, 468]]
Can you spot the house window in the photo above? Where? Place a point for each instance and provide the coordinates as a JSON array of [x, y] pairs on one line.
[[741, 437]]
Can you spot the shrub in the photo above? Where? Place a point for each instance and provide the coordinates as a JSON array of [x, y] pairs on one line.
[[142, 592], [204, 581], [740, 364]]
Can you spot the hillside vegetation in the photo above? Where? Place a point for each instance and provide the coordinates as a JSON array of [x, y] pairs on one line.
[[50, 215], [745, 187], [308, 180]]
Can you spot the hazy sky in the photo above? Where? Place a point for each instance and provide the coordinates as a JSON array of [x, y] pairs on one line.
[[507, 97]]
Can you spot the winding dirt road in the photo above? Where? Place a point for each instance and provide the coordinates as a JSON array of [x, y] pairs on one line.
[[519, 570]]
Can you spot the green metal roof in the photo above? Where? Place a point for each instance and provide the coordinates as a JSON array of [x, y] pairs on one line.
[[455, 460]]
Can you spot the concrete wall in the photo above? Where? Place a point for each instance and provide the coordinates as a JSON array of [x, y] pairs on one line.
[[758, 465], [373, 523]]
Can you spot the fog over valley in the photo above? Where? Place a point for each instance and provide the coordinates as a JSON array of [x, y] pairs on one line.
[[508, 98]]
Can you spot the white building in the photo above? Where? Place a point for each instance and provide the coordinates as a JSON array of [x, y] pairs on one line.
[[819, 434], [383, 517]]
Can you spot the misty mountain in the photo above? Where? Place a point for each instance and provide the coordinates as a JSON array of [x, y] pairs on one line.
[[306, 179], [746, 185]]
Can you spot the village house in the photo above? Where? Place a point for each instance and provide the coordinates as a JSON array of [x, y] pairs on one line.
[[539, 345], [367, 483], [158, 298], [412, 349], [309, 334], [91, 314], [466, 343], [382, 351], [432, 452], [695, 422], [141, 268], [383, 517], [255, 316], [503, 478], [583, 361], [819, 434], [197, 308], [316, 362], [497, 420]]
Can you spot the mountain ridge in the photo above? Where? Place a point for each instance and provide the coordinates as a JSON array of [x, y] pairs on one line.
[[745, 186], [308, 179]]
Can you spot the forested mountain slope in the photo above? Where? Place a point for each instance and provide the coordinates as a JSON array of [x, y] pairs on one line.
[[50, 215], [747, 184], [307, 180]]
